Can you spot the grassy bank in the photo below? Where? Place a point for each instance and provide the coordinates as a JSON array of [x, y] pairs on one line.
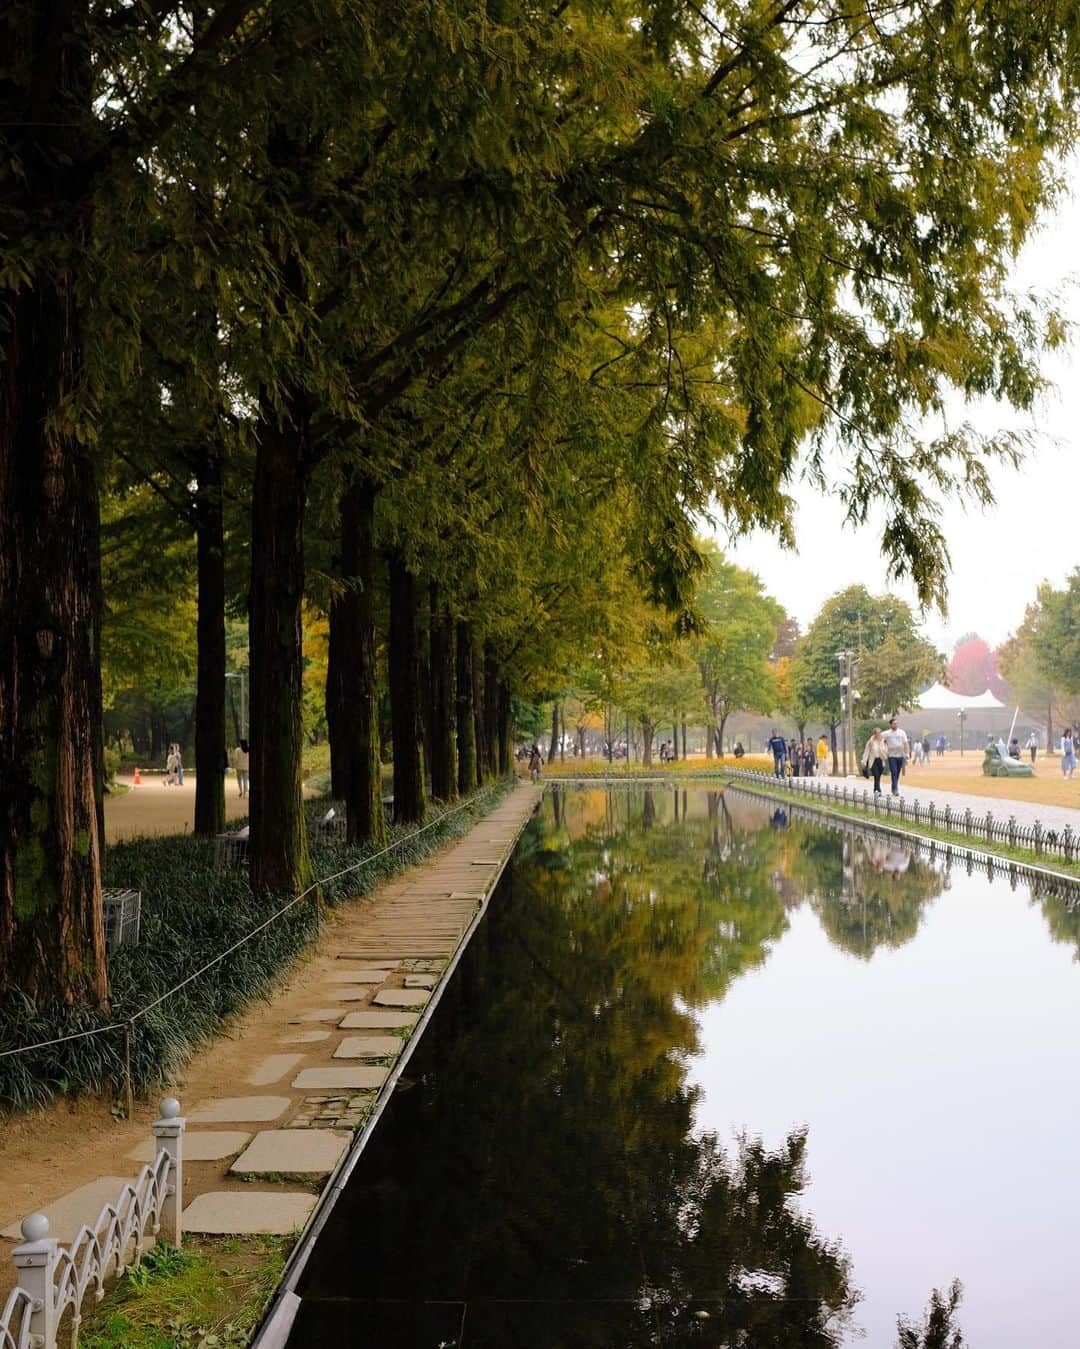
[[211, 1292], [952, 837], [192, 912]]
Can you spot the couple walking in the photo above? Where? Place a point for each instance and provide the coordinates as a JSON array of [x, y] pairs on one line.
[[886, 747]]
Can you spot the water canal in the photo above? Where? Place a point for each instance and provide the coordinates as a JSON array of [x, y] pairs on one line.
[[711, 1075]]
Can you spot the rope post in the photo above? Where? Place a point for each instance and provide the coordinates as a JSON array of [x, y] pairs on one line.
[[129, 1094]]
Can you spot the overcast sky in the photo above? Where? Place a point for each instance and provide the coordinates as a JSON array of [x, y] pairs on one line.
[[998, 556]]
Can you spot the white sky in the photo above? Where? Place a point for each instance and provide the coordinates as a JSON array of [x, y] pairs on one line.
[[998, 556]]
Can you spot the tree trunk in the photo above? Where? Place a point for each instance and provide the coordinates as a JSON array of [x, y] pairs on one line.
[[491, 713], [1049, 728], [581, 733], [51, 935], [562, 737], [684, 738], [554, 731], [832, 742], [443, 740], [409, 801], [479, 719], [720, 735], [647, 731], [466, 717], [506, 742], [708, 742], [278, 844], [365, 820], [336, 660], [210, 686], [426, 701]]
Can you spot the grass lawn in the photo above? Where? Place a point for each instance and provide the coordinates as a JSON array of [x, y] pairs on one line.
[[963, 773]]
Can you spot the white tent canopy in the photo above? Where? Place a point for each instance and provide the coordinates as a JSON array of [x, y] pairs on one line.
[[938, 698]]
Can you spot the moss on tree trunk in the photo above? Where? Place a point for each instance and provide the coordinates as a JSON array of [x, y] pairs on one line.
[[442, 735], [210, 687]]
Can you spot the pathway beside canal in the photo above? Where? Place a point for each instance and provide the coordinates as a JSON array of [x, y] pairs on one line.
[[273, 1103]]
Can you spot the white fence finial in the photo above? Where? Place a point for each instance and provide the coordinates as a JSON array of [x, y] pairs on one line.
[[35, 1259], [168, 1132]]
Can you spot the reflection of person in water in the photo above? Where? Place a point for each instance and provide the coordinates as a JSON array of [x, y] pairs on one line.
[[779, 818]]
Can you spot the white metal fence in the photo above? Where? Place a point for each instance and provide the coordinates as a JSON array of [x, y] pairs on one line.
[[52, 1278]]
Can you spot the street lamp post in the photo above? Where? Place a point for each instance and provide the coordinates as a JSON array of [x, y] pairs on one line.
[[962, 714], [242, 676]]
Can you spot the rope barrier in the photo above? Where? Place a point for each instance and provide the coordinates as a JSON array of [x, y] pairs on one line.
[[127, 1024]]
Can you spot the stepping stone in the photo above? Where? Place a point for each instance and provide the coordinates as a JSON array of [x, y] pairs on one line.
[[369, 1047], [76, 1208], [238, 1109], [289, 1152], [201, 1145], [317, 1014], [229, 1213], [347, 994], [357, 1077], [377, 1020], [401, 997], [273, 1068], [419, 981], [360, 977], [305, 1037]]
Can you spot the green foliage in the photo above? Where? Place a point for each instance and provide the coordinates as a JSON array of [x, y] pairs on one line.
[[894, 661]]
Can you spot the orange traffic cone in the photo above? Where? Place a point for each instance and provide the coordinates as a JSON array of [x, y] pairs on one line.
[[136, 781]]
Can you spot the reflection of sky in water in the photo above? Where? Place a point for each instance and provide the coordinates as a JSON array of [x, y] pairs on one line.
[[939, 1082]]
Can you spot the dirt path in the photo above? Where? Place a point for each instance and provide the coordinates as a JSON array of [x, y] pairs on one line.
[[153, 808]]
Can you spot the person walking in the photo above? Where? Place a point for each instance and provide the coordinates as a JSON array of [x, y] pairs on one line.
[[1068, 753], [240, 761], [941, 747], [926, 746], [874, 756], [778, 745], [174, 772], [536, 762], [1014, 748], [809, 761], [822, 755], [896, 747], [1032, 745]]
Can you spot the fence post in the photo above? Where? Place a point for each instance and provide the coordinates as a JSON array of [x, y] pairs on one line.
[[1067, 842], [168, 1133], [948, 816], [967, 821], [1012, 833], [989, 827], [1038, 837], [35, 1259], [930, 814]]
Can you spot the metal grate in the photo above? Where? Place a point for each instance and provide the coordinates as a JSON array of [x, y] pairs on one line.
[[122, 911], [231, 850]]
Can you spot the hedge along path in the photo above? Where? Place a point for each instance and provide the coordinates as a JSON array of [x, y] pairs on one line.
[[354, 969]]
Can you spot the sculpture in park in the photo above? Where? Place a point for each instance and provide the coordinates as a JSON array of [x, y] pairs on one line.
[[997, 764]]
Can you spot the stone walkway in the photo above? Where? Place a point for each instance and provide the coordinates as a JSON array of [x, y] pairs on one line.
[[331, 1043], [1026, 812]]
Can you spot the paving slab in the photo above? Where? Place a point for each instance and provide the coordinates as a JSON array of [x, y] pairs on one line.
[[355, 1077], [316, 1014], [200, 1145], [377, 1020], [292, 1152], [360, 976], [401, 997], [369, 1047], [273, 1068], [305, 1037], [239, 1109], [419, 981], [76, 1209], [228, 1213], [346, 993]]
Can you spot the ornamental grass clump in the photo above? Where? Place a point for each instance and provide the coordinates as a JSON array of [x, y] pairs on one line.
[[191, 914]]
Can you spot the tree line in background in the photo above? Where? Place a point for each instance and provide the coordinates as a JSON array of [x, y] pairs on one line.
[[443, 323]]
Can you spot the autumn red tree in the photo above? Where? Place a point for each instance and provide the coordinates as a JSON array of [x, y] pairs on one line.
[[974, 669]]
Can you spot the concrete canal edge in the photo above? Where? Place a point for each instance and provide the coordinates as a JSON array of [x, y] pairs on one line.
[[276, 1326]]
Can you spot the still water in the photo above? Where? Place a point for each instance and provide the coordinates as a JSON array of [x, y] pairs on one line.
[[711, 1075]]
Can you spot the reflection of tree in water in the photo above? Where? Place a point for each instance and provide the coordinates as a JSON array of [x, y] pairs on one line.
[[679, 1242], [867, 891]]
